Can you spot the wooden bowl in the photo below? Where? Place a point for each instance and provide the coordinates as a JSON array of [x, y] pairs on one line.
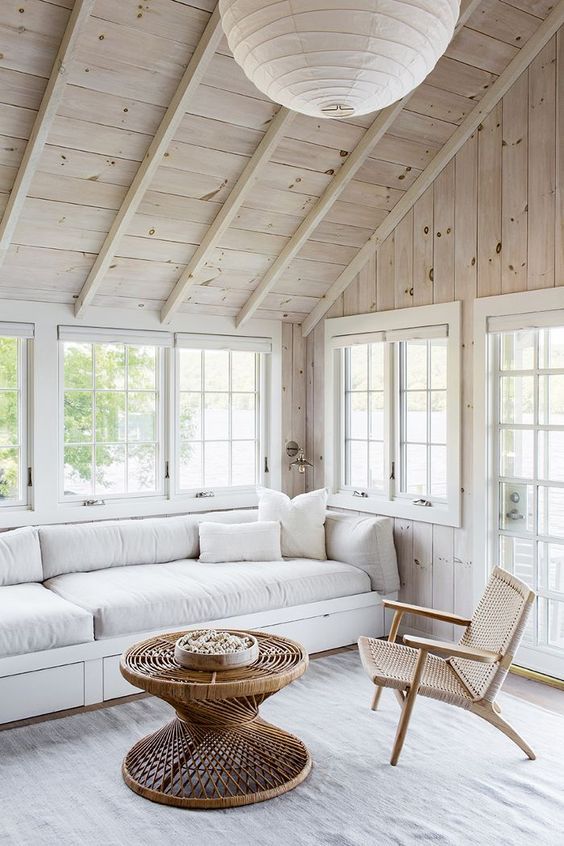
[[229, 661]]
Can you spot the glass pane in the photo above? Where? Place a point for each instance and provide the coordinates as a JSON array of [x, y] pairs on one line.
[[190, 416], [358, 367], [555, 624], [556, 347], [110, 366], [216, 464], [551, 456], [376, 420], [551, 511], [416, 364], [357, 464], [516, 506], [438, 471], [190, 370], [439, 363], [438, 417], [517, 453], [9, 430], [78, 416], [416, 470], [551, 566], [78, 470], [141, 368], [377, 367], [518, 557], [243, 416], [358, 405], [141, 468], [517, 350], [8, 362], [243, 371], [141, 416], [110, 416], [109, 473], [517, 399], [551, 400], [376, 465], [77, 365], [9, 474], [190, 469], [243, 463], [216, 370], [216, 416], [416, 416]]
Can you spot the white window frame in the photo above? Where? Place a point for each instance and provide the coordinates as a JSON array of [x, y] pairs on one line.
[[23, 333], [264, 349], [529, 309], [44, 402], [409, 323], [97, 335]]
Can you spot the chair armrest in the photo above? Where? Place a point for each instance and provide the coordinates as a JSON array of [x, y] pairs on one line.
[[456, 650], [444, 616]]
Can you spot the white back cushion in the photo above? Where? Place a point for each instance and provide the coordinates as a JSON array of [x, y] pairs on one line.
[[244, 542], [20, 557], [367, 543], [301, 520], [118, 543]]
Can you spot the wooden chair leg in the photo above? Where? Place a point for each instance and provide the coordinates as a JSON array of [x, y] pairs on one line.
[[376, 698], [407, 708], [491, 712]]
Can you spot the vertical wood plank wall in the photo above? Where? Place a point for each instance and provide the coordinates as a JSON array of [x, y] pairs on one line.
[[490, 224]]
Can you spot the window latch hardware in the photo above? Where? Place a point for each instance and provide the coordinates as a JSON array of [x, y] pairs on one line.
[[94, 502], [425, 502], [167, 474], [393, 470], [29, 477], [362, 494], [203, 494], [266, 470]]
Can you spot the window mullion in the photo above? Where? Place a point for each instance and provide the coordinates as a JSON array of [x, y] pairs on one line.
[[390, 436]]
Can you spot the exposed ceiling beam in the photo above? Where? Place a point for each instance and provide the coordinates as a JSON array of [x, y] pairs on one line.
[[231, 206], [42, 124], [471, 123], [346, 173], [168, 127]]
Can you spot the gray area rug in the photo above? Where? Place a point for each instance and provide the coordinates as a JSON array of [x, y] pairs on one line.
[[458, 783]]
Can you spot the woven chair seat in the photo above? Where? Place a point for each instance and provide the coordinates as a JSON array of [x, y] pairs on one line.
[[392, 665]]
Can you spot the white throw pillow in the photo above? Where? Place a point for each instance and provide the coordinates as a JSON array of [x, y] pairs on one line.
[[302, 521], [240, 542]]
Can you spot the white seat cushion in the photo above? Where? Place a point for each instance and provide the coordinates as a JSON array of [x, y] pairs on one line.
[[20, 557], [154, 596], [33, 618]]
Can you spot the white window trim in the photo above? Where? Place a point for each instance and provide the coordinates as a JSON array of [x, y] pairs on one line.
[[24, 333], [395, 321], [521, 310], [43, 425]]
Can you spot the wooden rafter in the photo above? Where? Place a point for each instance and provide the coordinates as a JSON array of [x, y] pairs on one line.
[[226, 215], [165, 133], [354, 162], [471, 123], [43, 122]]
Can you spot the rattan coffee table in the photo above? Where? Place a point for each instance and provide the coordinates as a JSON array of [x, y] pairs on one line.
[[217, 752]]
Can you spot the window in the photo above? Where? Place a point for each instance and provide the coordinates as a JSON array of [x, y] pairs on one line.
[[393, 426], [13, 413], [112, 441], [219, 413]]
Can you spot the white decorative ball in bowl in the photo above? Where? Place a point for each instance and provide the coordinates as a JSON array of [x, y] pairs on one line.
[[215, 649]]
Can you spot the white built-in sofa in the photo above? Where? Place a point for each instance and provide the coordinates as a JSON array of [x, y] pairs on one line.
[[73, 597]]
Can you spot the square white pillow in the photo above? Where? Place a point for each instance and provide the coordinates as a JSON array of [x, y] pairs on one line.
[[221, 542], [302, 521]]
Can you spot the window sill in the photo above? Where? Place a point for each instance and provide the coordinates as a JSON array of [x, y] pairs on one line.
[[441, 516]]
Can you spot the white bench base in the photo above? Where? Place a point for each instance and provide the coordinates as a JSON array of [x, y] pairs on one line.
[[72, 676]]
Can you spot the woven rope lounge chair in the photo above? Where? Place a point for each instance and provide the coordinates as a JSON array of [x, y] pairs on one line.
[[469, 673]]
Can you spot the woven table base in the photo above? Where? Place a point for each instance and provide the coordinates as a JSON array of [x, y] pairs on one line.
[[216, 755]]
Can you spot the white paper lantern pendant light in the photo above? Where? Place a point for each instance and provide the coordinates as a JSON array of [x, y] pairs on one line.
[[333, 59]]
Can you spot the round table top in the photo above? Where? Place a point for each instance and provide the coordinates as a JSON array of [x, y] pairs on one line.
[[150, 665]]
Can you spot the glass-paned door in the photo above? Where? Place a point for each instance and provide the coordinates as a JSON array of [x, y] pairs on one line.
[[528, 472]]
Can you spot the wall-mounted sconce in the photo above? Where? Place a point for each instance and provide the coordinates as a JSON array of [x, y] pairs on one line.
[[301, 462]]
